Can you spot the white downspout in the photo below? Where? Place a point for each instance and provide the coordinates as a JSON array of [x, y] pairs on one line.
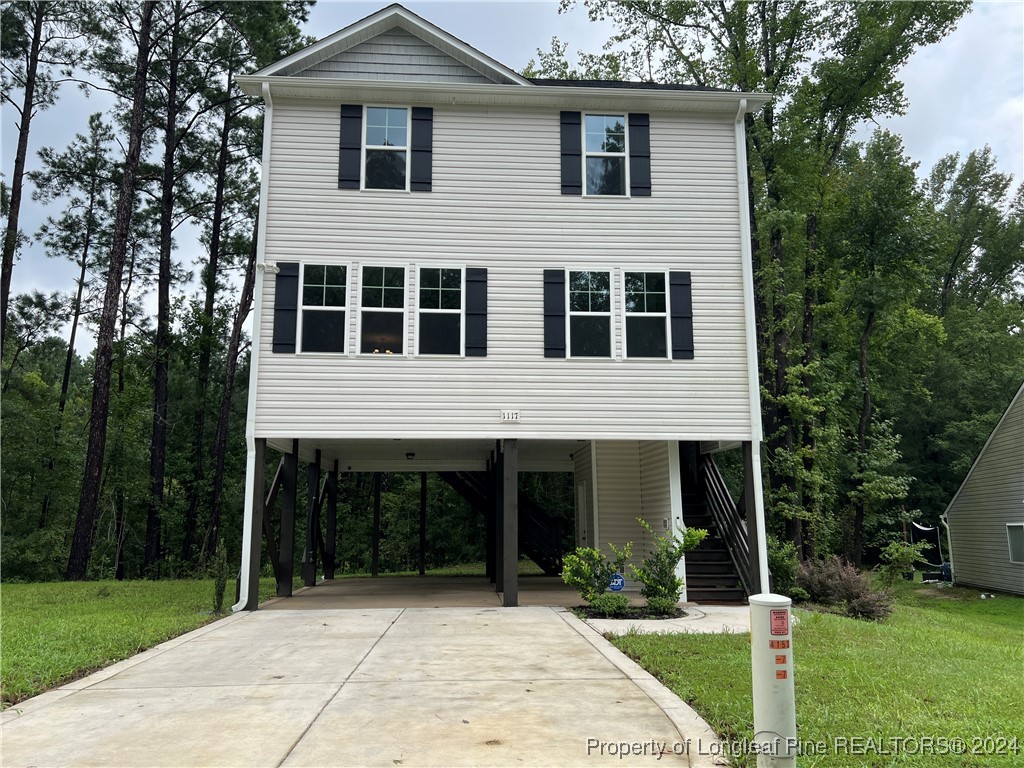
[[257, 315], [753, 383]]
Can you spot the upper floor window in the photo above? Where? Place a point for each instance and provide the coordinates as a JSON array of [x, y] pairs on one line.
[[382, 311], [590, 314], [646, 310], [324, 316], [386, 148], [605, 154], [440, 311]]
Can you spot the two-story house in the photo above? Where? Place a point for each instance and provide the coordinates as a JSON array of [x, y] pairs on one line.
[[465, 270]]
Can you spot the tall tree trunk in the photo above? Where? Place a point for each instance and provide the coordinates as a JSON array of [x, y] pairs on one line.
[[18, 176], [158, 441], [857, 553], [81, 545], [197, 489], [69, 359], [808, 499], [220, 442]]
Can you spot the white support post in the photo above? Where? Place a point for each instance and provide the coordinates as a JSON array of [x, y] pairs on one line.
[[771, 661]]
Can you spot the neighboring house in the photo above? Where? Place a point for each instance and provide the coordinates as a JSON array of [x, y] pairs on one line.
[[985, 520], [464, 271]]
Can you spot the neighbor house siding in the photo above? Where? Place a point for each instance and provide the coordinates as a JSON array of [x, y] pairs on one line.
[[395, 55], [496, 203], [991, 496]]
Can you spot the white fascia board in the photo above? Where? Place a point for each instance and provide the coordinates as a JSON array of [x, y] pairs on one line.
[[379, 22], [974, 466], [548, 96]]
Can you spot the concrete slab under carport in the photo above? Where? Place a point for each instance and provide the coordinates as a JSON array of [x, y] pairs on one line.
[[423, 592], [362, 687]]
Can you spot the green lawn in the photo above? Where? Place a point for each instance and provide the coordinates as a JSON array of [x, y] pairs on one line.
[[945, 664], [55, 632]]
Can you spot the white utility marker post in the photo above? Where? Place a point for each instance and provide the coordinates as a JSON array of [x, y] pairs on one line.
[[771, 661]]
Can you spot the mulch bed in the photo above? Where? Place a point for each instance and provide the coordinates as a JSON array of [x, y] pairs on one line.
[[634, 612]]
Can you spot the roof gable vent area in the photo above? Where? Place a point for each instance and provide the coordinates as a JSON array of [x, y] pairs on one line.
[[396, 45]]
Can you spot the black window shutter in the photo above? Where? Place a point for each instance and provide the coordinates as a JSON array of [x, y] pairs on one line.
[[350, 146], [422, 149], [639, 155], [476, 312], [554, 313], [572, 153], [681, 299], [286, 306]]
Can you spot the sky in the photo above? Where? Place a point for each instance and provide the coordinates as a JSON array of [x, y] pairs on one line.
[[964, 92]]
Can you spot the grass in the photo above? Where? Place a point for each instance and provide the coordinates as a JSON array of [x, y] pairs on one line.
[[57, 632], [945, 664]]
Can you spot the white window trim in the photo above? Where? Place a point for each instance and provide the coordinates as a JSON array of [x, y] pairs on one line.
[[666, 315], [584, 155], [407, 148], [1009, 549], [461, 311], [302, 307], [569, 314], [404, 311]]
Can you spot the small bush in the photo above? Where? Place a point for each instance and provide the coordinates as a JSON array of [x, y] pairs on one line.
[[899, 558], [587, 570], [611, 605], [657, 572], [783, 565], [662, 606], [840, 588]]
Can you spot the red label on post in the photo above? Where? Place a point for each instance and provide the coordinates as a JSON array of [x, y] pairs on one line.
[[778, 644], [780, 674], [780, 658], [780, 621]]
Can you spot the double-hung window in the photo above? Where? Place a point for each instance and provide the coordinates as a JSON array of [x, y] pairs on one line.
[[324, 315], [440, 311], [382, 311], [386, 148], [605, 153], [590, 314], [646, 314]]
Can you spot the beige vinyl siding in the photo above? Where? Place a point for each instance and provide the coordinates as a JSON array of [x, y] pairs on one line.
[[619, 500], [395, 55], [496, 203], [583, 475], [991, 496], [655, 494]]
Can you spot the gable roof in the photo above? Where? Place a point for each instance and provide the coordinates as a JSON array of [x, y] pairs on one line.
[[377, 23], [1016, 398]]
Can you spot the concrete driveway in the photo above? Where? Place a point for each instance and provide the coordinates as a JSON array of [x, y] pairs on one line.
[[366, 687]]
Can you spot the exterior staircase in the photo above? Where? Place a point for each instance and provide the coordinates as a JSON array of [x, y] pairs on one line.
[[540, 534], [716, 570], [711, 575]]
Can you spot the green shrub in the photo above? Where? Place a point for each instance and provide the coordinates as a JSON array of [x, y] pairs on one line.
[[840, 588], [783, 565], [657, 572], [587, 570], [662, 606], [899, 558], [611, 604]]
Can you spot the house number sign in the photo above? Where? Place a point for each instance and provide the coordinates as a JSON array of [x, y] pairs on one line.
[[510, 416]]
